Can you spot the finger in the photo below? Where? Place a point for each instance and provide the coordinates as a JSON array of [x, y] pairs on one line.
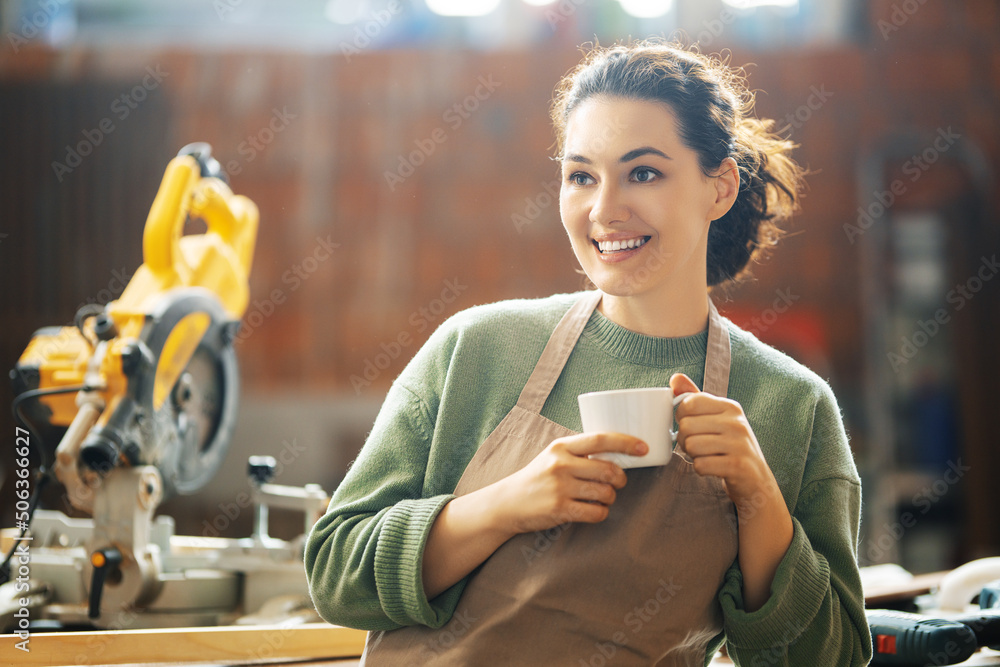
[[682, 384], [702, 444], [702, 404], [712, 466], [585, 512], [586, 444], [598, 470], [703, 424], [597, 492]]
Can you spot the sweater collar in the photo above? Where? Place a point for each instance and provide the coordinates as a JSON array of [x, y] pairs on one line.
[[637, 348]]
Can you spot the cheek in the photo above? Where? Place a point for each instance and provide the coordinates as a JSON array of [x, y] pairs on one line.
[[568, 212]]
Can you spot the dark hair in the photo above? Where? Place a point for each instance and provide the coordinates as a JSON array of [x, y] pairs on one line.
[[712, 106]]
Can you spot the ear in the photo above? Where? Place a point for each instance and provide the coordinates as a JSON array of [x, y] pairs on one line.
[[727, 186]]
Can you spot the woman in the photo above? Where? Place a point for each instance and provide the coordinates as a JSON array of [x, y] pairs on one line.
[[475, 529]]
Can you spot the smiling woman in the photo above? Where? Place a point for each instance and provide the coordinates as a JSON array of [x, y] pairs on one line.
[[476, 513]]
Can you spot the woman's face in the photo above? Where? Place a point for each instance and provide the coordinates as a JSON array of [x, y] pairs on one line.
[[634, 200]]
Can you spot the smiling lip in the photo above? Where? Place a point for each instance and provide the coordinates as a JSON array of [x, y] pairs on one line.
[[611, 249], [617, 245]]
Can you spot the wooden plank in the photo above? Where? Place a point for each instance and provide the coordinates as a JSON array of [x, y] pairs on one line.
[[232, 644], [903, 590]]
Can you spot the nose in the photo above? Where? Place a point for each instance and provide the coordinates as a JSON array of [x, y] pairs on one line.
[[609, 205]]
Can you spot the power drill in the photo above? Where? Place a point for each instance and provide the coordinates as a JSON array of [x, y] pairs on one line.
[[913, 640]]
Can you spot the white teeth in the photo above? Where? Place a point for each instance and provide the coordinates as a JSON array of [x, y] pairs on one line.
[[612, 246]]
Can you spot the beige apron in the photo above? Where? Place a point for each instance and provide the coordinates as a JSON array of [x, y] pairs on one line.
[[638, 588]]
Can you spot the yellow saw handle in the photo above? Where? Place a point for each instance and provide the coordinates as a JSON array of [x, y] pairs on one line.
[[218, 260]]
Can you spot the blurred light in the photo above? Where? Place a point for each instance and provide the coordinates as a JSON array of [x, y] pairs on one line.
[[345, 12], [538, 3], [462, 7], [751, 4], [647, 9]]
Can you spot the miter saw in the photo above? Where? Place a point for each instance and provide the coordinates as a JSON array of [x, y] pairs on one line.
[[143, 395]]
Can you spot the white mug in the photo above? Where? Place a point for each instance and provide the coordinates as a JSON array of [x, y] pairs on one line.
[[647, 414]]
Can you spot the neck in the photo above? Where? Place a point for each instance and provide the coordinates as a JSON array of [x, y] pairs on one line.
[[679, 313]]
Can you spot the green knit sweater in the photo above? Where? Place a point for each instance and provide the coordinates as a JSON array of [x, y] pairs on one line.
[[363, 558]]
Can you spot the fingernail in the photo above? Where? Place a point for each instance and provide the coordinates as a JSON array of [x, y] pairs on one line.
[[641, 448]]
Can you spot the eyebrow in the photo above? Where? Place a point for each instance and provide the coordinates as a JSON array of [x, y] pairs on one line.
[[628, 157], [639, 152]]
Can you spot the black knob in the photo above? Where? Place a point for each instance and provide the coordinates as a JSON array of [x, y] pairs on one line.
[[132, 359], [104, 327], [99, 452], [261, 469], [104, 561], [208, 165]]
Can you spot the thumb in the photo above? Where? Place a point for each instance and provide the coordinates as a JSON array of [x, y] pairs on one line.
[[682, 384]]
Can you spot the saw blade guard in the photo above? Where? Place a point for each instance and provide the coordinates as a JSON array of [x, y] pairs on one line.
[[179, 410]]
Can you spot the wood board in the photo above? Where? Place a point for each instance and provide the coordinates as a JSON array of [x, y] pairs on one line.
[[237, 644]]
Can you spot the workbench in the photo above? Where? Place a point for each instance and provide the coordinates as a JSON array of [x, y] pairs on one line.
[[312, 645]]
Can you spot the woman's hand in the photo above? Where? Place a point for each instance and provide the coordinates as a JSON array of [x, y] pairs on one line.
[[716, 435], [563, 485], [558, 486]]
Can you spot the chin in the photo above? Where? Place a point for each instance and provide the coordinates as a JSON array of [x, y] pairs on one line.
[[617, 286]]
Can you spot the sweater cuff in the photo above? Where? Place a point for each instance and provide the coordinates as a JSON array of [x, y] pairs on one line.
[[800, 584], [399, 556]]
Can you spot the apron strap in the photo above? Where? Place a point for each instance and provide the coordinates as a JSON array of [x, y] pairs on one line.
[[556, 352], [718, 355], [560, 345]]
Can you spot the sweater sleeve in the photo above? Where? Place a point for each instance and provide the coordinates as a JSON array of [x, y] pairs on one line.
[[815, 615], [364, 557]]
